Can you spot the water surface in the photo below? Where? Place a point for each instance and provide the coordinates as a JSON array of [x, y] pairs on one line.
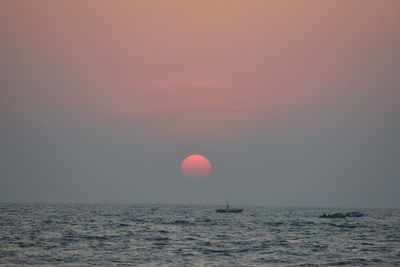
[[172, 235]]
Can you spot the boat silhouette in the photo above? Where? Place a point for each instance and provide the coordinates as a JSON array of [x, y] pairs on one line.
[[229, 209]]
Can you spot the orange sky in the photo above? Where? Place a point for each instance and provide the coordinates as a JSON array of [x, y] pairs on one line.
[[294, 102]]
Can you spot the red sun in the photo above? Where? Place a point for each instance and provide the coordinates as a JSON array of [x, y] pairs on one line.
[[196, 167]]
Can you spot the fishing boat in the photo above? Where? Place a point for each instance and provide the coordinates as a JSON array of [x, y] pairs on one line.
[[229, 209], [341, 215]]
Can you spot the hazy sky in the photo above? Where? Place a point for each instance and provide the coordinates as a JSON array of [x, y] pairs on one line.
[[293, 102]]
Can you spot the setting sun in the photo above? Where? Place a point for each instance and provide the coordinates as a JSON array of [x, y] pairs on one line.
[[196, 167]]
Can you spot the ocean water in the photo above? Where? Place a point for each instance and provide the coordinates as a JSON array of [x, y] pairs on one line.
[[172, 235]]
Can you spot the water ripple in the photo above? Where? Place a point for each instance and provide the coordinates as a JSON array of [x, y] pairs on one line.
[[156, 235]]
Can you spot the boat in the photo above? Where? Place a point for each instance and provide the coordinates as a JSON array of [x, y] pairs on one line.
[[354, 214], [229, 209], [341, 215]]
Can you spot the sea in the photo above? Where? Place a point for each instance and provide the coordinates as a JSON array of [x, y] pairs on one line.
[[194, 235]]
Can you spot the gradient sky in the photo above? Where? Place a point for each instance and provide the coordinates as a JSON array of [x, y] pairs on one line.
[[293, 102]]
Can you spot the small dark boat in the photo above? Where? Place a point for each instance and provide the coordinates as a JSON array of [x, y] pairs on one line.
[[342, 215], [229, 210]]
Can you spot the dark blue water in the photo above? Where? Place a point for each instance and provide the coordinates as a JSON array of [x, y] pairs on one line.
[[163, 235]]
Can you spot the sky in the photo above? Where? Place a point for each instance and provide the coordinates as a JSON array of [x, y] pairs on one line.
[[295, 103]]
